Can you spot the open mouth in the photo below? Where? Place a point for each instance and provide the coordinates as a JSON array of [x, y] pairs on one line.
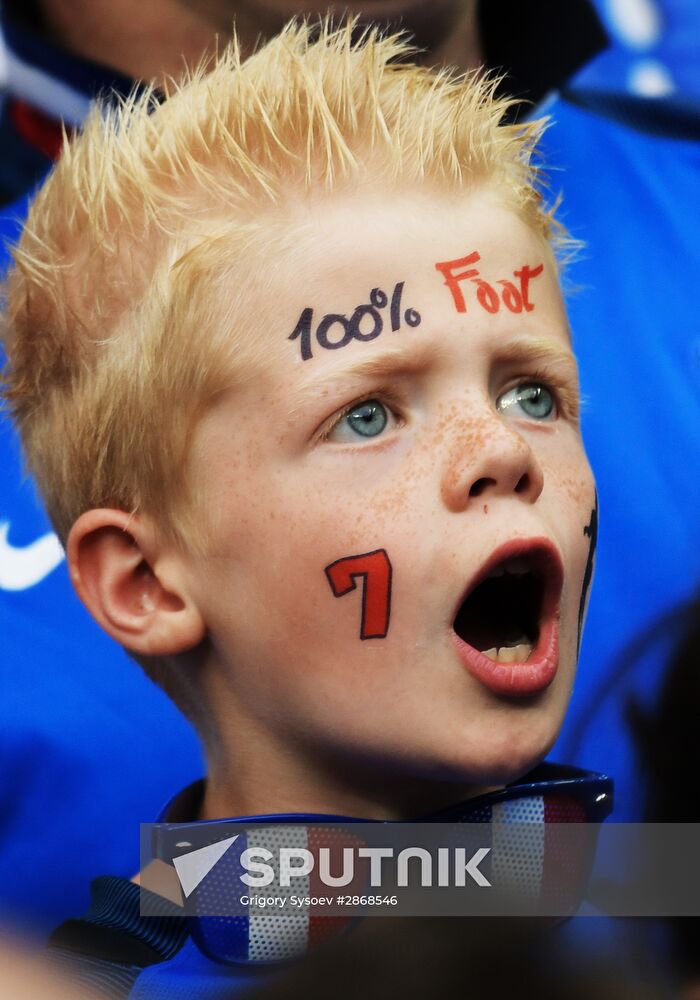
[[509, 616], [501, 616]]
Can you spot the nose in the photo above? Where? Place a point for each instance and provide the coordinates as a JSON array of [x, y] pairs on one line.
[[490, 460]]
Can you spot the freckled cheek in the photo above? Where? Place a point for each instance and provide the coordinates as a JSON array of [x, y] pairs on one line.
[[327, 531], [363, 496], [571, 488], [567, 473], [275, 535]]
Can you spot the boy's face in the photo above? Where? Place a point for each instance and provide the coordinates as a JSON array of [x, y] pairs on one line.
[[414, 451]]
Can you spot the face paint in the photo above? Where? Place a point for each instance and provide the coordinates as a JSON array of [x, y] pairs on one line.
[[591, 530], [375, 570], [515, 299], [335, 330], [323, 490]]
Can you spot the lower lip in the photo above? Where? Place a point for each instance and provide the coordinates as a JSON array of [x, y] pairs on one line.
[[516, 679]]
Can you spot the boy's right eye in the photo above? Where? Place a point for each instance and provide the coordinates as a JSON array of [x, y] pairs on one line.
[[368, 419]]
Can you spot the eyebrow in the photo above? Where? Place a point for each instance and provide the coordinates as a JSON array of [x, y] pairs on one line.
[[392, 362], [395, 361], [537, 350]]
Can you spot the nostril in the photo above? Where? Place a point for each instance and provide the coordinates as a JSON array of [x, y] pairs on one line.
[[523, 484], [480, 485]]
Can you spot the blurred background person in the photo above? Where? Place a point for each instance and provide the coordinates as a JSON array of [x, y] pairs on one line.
[[625, 145], [60, 53], [666, 736], [453, 957], [26, 973]]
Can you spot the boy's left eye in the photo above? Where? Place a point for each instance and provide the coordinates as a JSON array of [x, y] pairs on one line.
[[367, 419], [531, 399]]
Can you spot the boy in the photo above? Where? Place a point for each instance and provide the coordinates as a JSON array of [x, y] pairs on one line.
[[291, 365]]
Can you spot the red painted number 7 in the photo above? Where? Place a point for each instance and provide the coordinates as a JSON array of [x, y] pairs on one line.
[[375, 570]]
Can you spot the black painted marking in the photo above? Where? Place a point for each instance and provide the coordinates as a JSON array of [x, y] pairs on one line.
[[303, 330], [378, 298], [591, 531], [328, 321], [396, 307], [412, 317], [354, 327], [335, 330]]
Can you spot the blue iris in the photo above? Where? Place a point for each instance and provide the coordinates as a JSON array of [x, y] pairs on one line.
[[367, 419], [534, 399]]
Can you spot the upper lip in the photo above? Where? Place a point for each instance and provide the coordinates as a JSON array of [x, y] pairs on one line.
[[544, 559]]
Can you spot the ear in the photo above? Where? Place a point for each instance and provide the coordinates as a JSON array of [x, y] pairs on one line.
[[132, 584]]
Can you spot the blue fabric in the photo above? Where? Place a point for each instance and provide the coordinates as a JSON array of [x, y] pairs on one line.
[[176, 966], [654, 50], [21, 165], [633, 199], [89, 746], [190, 974], [81, 74]]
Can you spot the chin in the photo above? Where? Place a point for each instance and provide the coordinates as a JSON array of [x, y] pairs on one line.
[[502, 760], [504, 772]]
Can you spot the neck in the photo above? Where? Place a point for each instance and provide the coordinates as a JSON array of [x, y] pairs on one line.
[[255, 773]]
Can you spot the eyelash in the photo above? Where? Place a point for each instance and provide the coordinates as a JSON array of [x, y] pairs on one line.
[[566, 398], [565, 395], [386, 395]]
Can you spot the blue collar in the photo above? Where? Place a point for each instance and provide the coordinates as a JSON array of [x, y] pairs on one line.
[[592, 790], [548, 795]]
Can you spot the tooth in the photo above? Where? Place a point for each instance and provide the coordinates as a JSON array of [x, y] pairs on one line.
[[506, 654], [509, 654], [514, 654]]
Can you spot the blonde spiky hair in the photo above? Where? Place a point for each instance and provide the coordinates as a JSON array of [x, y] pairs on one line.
[[111, 357]]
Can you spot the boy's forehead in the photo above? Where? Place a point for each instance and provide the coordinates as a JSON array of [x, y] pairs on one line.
[[351, 235], [355, 269]]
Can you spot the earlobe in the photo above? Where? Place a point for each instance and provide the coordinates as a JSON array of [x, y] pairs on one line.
[[129, 583]]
